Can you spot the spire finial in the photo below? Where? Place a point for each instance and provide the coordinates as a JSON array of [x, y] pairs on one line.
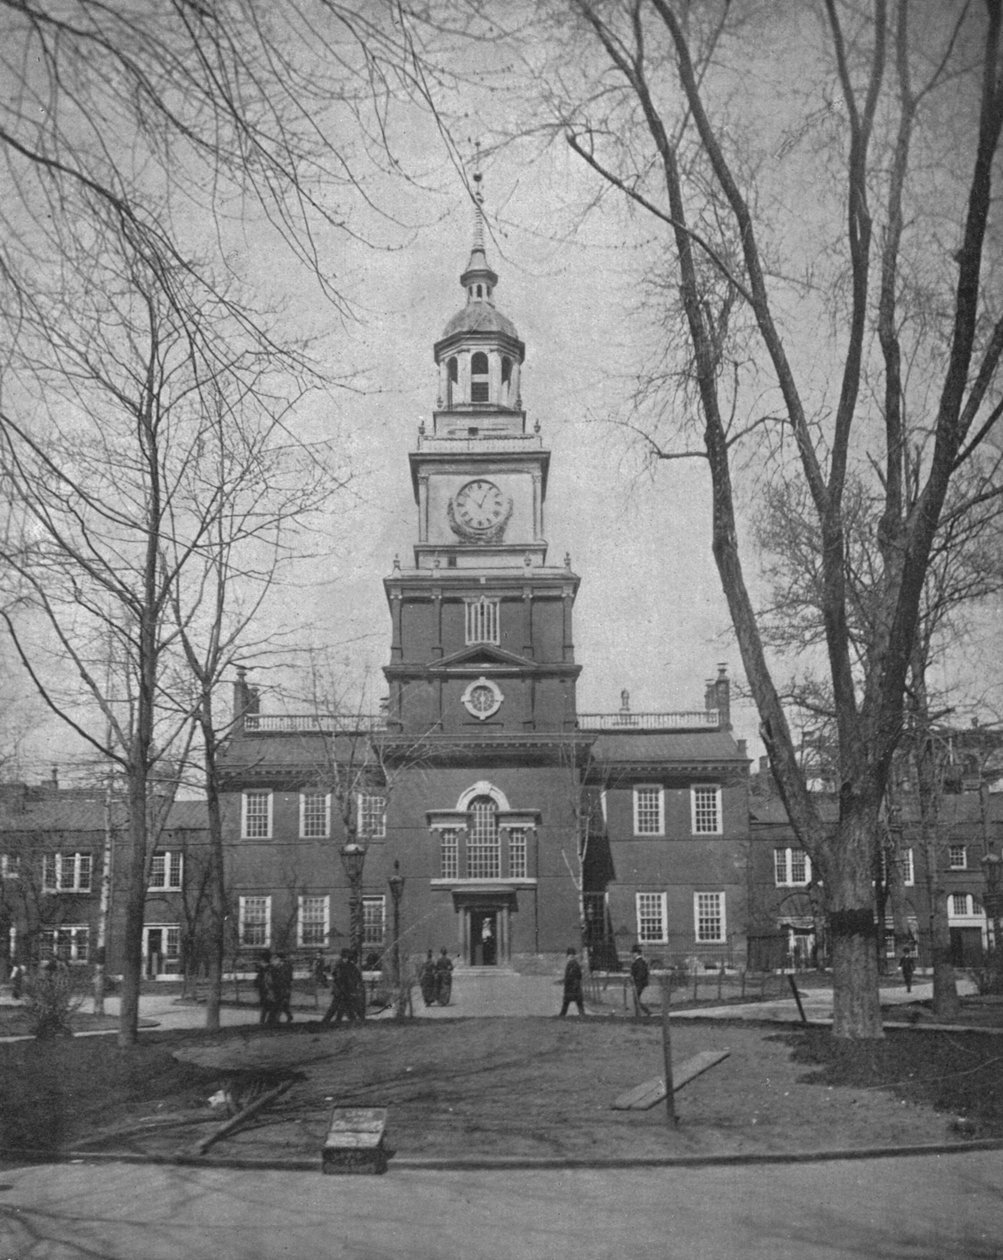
[[478, 201]]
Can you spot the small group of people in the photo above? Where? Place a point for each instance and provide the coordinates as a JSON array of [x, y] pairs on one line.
[[273, 980], [573, 992], [348, 991], [436, 978]]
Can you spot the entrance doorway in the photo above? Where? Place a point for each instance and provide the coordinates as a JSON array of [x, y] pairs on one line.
[[483, 938]]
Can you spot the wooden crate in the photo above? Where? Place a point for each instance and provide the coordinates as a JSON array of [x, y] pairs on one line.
[[356, 1141]]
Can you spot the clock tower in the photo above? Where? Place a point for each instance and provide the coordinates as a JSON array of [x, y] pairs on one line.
[[482, 644]]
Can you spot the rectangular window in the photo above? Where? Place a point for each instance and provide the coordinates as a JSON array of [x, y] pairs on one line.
[[315, 815], [172, 942], [372, 817], [313, 922], [792, 867], [165, 872], [708, 917], [66, 872], [649, 814], [706, 808], [652, 924], [255, 921], [518, 867], [10, 865], [374, 922], [957, 857], [71, 944], [449, 849], [257, 816], [482, 620], [908, 868]]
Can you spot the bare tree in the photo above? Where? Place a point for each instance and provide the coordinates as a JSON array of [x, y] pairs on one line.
[[808, 197]]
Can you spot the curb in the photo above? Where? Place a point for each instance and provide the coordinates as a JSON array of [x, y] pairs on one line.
[[477, 1163]]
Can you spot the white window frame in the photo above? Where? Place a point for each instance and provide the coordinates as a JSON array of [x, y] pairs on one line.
[[908, 868], [518, 852], [243, 904], [652, 907], [973, 912], [322, 902], [962, 851], [483, 620], [649, 829], [783, 867], [171, 863], [10, 866], [449, 853], [698, 822], [67, 872], [313, 833], [374, 921], [256, 826], [171, 939], [699, 898], [367, 811], [78, 936]]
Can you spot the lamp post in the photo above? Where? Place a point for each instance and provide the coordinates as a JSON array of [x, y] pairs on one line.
[[353, 858], [396, 882], [992, 864]]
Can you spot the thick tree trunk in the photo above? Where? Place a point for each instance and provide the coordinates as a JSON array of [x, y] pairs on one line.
[[849, 892]]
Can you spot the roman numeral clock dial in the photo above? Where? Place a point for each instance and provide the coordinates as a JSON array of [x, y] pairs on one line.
[[480, 511]]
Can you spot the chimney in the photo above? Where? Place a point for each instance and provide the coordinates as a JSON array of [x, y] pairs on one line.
[[710, 695], [722, 695], [55, 778], [245, 697]]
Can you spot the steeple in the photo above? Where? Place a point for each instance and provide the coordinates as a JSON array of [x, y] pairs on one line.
[[478, 279]]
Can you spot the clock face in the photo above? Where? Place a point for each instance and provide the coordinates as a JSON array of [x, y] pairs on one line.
[[482, 698], [480, 505]]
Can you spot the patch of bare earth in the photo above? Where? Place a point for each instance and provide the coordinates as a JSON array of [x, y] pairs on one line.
[[528, 1088]]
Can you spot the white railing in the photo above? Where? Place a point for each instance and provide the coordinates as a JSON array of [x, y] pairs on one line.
[[648, 721], [325, 723], [455, 445]]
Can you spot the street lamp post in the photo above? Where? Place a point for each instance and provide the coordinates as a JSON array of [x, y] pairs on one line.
[[396, 882], [992, 864], [353, 858]]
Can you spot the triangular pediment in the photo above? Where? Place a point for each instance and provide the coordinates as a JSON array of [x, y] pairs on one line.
[[482, 656]]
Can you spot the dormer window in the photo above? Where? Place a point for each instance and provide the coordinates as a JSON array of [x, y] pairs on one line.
[[479, 378]]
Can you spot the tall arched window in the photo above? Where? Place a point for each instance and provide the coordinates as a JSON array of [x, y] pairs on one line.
[[479, 378], [483, 840], [453, 370]]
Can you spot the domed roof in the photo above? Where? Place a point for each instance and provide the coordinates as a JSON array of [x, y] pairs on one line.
[[480, 317]]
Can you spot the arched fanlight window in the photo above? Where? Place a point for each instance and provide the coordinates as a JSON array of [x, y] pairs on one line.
[[479, 378]]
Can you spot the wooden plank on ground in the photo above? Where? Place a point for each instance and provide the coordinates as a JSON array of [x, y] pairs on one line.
[[356, 1141], [642, 1097]]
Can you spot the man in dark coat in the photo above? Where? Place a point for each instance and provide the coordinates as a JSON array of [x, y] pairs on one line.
[[573, 983], [283, 988], [639, 978], [342, 995], [265, 983]]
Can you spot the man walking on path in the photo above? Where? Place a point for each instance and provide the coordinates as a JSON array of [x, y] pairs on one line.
[[639, 977], [908, 965], [572, 983], [342, 991]]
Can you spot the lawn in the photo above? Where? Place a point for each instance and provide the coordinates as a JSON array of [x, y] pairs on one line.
[[506, 1087]]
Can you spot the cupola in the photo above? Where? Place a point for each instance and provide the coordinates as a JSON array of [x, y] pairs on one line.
[[479, 355]]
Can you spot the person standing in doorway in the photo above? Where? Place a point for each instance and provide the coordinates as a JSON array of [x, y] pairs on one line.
[[908, 964], [639, 978], [572, 983]]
